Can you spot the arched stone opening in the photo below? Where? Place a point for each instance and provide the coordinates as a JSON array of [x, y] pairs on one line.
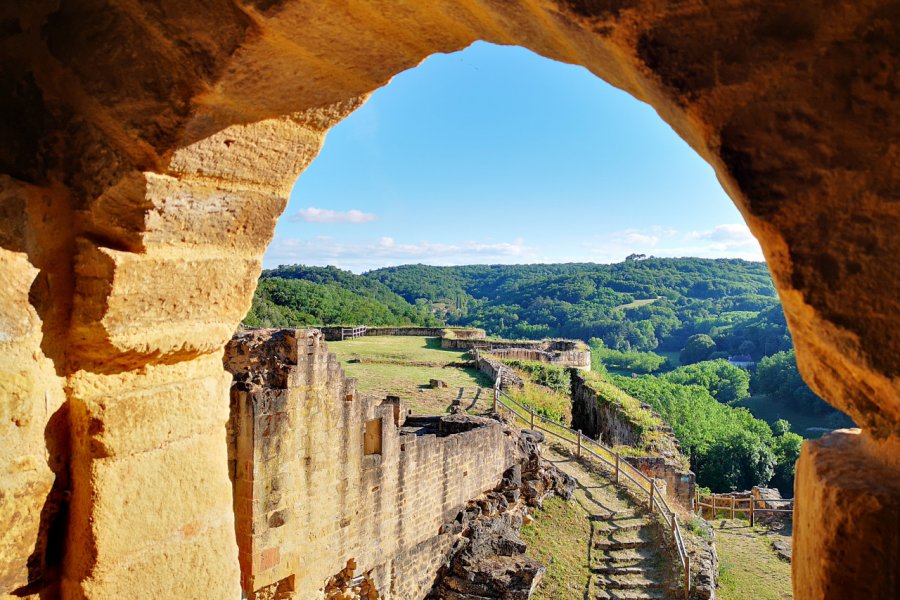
[[152, 147]]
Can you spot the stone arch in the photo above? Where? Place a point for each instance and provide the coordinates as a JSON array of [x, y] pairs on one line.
[[152, 149]]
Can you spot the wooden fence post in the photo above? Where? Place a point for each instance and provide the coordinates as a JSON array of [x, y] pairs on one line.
[[733, 499], [652, 485], [714, 507], [617, 467], [496, 398], [674, 525], [752, 511], [531, 412], [687, 575], [579, 444]]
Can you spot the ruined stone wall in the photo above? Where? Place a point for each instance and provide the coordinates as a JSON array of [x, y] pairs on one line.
[[308, 498], [604, 419], [333, 333], [493, 368], [575, 359]]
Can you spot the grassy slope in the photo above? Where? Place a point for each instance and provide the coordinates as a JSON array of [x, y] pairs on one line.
[[559, 539], [749, 569], [769, 411], [402, 366]]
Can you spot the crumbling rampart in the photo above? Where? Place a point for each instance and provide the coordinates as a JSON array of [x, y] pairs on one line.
[[325, 477], [602, 412]]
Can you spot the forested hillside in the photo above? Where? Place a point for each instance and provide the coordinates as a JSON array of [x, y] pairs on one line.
[[672, 320], [296, 296], [654, 304]]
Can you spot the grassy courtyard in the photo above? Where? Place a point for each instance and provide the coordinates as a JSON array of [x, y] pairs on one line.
[[403, 366]]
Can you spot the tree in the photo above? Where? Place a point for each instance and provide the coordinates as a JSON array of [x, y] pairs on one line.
[[777, 376], [738, 461], [781, 427], [724, 381], [698, 347], [787, 450]]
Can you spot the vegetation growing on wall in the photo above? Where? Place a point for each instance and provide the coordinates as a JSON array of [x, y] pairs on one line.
[[552, 376]]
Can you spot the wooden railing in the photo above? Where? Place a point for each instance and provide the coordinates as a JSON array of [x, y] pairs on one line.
[[720, 502], [353, 332], [609, 457]]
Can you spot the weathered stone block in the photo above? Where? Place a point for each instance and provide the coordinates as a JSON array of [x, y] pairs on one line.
[[847, 518]]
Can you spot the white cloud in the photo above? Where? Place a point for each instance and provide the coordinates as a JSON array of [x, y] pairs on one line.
[[726, 236], [324, 215], [729, 240], [387, 251]]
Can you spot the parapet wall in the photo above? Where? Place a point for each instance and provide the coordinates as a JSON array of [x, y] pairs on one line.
[[493, 368], [325, 478], [565, 353], [333, 333], [606, 420], [574, 359]]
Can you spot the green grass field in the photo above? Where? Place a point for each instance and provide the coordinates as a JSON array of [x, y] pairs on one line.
[[402, 366], [804, 424], [638, 303], [674, 359], [749, 569]]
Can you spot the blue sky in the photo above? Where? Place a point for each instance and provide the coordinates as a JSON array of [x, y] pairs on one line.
[[496, 155]]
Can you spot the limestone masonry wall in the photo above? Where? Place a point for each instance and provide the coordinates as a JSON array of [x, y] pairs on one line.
[[606, 421], [324, 477], [576, 359], [333, 333], [490, 366]]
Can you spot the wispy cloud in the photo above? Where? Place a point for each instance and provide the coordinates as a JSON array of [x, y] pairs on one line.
[[387, 251], [722, 241], [325, 215], [725, 237], [729, 240]]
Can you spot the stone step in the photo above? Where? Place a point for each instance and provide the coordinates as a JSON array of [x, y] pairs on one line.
[[627, 582], [610, 594], [612, 545], [626, 555], [636, 513], [619, 570], [630, 524]]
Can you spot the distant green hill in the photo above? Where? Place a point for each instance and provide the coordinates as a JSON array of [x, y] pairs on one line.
[[292, 296], [634, 313], [639, 305]]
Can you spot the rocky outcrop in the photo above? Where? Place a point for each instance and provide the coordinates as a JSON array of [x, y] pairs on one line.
[[701, 547], [489, 560], [145, 160]]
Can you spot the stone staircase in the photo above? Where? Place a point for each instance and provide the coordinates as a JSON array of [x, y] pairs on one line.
[[626, 560], [627, 557]]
